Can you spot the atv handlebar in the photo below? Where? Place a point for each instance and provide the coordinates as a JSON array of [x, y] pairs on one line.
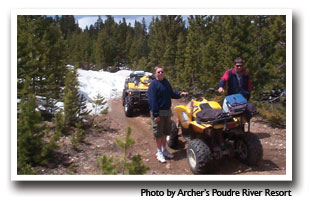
[[199, 94], [211, 90]]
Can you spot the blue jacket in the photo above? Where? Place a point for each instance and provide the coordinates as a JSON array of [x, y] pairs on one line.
[[159, 96], [232, 85]]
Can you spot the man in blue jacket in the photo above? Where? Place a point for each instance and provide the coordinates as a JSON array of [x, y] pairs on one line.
[[236, 80], [159, 97]]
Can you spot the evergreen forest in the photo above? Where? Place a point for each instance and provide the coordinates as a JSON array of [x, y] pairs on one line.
[[195, 54]]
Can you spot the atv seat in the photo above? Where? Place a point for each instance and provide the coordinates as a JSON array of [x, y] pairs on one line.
[[205, 106], [208, 114]]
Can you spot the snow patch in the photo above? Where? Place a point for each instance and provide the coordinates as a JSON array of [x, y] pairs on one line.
[[91, 83], [109, 85]]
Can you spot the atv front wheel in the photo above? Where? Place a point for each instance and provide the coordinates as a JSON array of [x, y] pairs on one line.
[[199, 156], [185, 133], [172, 138], [128, 107], [249, 149], [123, 97]]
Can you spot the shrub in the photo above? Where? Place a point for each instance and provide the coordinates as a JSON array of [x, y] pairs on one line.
[[107, 165], [98, 104], [273, 113], [125, 164], [78, 136], [30, 132]]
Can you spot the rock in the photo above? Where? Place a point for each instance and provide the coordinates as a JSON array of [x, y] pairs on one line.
[[249, 169]]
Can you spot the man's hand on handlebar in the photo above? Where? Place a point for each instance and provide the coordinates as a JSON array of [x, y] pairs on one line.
[[184, 94], [220, 90]]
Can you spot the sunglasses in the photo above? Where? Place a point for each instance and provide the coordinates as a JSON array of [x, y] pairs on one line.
[[160, 72], [238, 65]]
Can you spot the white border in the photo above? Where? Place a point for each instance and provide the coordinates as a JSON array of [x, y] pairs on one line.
[[289, 170], [13, 95], [153, 11]]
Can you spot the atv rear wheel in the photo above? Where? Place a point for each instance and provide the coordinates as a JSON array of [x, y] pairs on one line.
[[249, 149], [128, 106], [173, 138], [199, 156]]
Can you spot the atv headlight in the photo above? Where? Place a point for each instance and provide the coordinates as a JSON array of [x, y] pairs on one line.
[[132, 93]]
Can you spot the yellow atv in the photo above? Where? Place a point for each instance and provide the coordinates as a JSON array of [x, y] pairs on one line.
[[135, 92], [213, 132]]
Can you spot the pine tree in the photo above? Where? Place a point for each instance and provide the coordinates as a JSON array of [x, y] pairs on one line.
[[274, 52], [54, 68], [108, 47], [266, 61], [180, 59], [41, 56], [193, 56], [138, 48], [156, 43], [78, 136], [98, 103], [107, 165], [278, 35], [169, 59], [123, 52], [75, 108], [71, 107], [58, 122], [125, 164], [30, 131], [83, 112], [30, 30], [172, 26], [125, 144], [163, 41], [68, 25], [129, 41], [49, 100], [214, 51], [98, 24], [142, 64]]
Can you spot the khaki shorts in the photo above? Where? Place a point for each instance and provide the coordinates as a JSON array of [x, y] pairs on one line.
[[163, 127]]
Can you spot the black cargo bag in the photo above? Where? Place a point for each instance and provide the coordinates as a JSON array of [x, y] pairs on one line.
[[207, 113]]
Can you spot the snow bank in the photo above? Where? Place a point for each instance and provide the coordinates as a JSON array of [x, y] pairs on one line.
[[109, 85], [91, 83]]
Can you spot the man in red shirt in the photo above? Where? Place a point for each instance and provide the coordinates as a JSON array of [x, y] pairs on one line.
[[236, 80]]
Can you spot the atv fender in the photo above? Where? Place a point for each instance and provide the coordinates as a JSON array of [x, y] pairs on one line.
[[184, 115], [214, 105], [199, 128], [131, 85]]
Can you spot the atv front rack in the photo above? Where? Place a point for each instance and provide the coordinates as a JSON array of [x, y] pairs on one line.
[[227, 119]]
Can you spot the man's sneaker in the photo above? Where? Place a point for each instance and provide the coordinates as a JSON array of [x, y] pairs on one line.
[[160, 157], [167, 154]]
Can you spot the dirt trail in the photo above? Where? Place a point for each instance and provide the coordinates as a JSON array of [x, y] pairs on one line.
[[145, 143]]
